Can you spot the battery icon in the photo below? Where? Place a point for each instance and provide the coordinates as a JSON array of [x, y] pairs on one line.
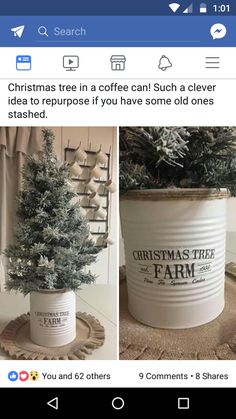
[[203, 8]]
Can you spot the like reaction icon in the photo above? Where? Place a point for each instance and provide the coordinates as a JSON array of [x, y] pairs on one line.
[[23, 376], [13, 376]]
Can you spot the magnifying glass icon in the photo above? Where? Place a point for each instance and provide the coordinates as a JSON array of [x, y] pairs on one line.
[[42, 30]]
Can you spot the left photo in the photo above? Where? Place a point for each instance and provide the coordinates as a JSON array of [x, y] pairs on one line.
[[58, 243]]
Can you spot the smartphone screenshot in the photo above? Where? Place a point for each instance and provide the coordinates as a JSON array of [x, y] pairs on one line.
[[117, 210]]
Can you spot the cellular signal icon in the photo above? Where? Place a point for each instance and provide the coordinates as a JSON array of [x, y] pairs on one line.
[[174, 7], [189, 9]]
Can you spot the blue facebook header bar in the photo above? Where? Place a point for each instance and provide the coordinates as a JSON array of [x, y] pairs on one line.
[[112, 8], [115, 31]]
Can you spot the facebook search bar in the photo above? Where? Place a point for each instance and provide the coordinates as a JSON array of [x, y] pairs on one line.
[[118, 31], [63, 31]]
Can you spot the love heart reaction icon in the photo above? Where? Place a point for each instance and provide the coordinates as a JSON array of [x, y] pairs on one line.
[[23, 376]]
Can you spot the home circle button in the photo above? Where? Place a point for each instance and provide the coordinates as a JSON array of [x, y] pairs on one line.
[[118, 403]]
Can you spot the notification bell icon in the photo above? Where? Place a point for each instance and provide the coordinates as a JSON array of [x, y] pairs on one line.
[[164, 63]]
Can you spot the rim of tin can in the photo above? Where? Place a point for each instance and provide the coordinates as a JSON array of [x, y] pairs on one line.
[[189, 194], [51, 291]]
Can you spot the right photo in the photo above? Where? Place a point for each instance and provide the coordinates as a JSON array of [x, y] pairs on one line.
[[177, 243]]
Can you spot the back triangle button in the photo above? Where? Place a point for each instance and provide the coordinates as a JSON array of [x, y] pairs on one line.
[[53, 403]]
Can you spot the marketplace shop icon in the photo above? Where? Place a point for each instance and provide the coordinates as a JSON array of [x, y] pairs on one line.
[[118, 62]]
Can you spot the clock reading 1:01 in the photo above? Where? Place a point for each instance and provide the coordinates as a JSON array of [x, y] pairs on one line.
[[221, 8]]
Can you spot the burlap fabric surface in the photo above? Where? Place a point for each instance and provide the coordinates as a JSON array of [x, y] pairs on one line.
[[15, 340], [215, 340]]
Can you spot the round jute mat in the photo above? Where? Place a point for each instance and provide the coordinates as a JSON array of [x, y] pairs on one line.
[[15, 340], [214, 340]]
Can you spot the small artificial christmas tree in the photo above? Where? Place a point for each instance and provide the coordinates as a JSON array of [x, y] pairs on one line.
[[184, 157], [51, 248]]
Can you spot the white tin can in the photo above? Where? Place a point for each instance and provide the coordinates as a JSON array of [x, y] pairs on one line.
[[175, 255], [52, 317]]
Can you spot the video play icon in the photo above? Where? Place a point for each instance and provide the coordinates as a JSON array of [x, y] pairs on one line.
[[70, 62]]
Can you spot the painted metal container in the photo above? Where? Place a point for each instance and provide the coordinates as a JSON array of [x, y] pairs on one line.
[[52, 317], [175, 255]]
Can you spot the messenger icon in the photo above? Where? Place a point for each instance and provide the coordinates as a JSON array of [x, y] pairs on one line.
[[218, 31]]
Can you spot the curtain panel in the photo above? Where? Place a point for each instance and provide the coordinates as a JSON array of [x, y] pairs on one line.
[[15, 144]]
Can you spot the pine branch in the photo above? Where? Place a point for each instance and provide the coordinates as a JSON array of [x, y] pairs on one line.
[[165, 157], [51, 248]]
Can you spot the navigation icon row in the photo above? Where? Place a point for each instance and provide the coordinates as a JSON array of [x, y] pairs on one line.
[[117, 63], [118, 403], [71, 62]]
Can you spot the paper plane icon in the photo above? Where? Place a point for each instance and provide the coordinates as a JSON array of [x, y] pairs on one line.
[[18, 31]]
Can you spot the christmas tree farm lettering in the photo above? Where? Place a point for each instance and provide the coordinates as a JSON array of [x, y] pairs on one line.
[[174, 254], [197, 265]]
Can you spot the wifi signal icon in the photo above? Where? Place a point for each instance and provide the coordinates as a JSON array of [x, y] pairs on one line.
[[174, 7]]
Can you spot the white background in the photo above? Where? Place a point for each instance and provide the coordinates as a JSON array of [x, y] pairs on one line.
[[141, 68]]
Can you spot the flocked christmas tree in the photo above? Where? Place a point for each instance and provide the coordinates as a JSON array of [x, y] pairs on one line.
[[51, 247], [185, 157]]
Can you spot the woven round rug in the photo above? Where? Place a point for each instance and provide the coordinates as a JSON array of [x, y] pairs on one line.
[[214, 340], [15, 340]]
